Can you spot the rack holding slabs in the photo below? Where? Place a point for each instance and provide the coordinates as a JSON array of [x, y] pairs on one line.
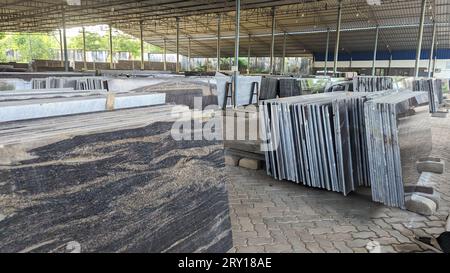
[[372, 83], [332, 141], [434, 89], [77, 83], [317, 140]]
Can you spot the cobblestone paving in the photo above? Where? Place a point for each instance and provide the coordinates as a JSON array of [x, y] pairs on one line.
[[278, 216]]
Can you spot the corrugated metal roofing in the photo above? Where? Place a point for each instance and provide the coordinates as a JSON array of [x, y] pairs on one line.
[[305, 21]]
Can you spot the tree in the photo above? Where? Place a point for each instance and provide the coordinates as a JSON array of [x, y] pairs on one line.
[[121, 42], [27, 46], [93, 42]]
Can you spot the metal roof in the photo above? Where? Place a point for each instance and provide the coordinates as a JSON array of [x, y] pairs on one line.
[[305, 22]]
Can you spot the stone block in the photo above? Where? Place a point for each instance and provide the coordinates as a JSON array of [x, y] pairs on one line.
[[415, 188], [231, 160], [251, 164], [420, 205], [435, 196], [430, 164]]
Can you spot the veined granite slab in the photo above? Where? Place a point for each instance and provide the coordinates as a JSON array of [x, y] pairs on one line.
[[127, 187]]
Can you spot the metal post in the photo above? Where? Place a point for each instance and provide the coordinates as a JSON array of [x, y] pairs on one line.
[[327, 52], [189, 54], [283, 60], [30, 48], [435, 57], [66, 55], [178, 46], [249, 53], [61, 47], [141, 30], [236, 50], [375, 51], [338, 37], [419, 42], [351, 61], [111, 49], [84, 49], [430, 73], [165, 54], [390, 65], [272, 44], [219, 22]]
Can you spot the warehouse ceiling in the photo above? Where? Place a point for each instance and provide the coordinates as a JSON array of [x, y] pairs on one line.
[[303, 23]]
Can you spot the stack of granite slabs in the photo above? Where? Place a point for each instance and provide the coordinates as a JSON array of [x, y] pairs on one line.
[[77, 83], [434, 89], [269, 88], [289, 87], [180, 91], [34, 108], [47, 94], [317, 140], [111, 182], [372, 84], [90, 83], [398, 133]]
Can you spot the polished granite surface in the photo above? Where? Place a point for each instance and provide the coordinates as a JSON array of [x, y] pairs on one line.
[[129, 190]]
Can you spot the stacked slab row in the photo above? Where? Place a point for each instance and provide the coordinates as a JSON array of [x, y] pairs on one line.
[[339, 141], [434, 89], [372, 84]]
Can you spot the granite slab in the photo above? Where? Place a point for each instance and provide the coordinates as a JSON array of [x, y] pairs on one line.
[[129, 188]]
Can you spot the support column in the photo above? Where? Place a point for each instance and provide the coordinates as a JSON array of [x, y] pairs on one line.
[[283, 60], [66, 54], [84, 49], [236, 51], [30, 48], [111, 49], [61, 45], [338, 37], [390, 65], [141, 32], [189, 54], [433, 43], [272, 44], [325, 70], [435, 58], [419, 42], [249, 53], [219, 22], [375, 51], [165, 54], [178, 46]]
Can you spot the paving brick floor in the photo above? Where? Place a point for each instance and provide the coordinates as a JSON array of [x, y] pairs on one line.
[[278, 216]]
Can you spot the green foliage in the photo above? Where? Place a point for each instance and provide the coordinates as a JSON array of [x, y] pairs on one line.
[[28, 46], [93, 42], [121, 42], [43, 46]]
